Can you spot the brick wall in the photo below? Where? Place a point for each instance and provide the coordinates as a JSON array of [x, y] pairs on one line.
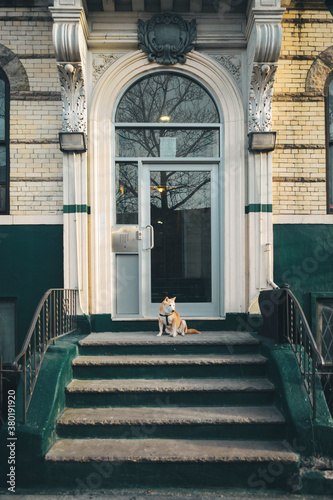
[[299, 161], [35, 114]]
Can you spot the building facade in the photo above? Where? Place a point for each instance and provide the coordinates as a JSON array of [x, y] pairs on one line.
[[169, 198]]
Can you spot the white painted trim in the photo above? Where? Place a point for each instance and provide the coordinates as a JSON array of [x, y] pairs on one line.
[[303, 219], [227, 94], [12, 220]]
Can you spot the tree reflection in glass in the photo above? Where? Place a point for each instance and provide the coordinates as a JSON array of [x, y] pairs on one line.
[[168, 99], [181, 217], [180, 98], [126, 193]]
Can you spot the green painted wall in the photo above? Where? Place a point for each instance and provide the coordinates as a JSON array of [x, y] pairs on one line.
[[303, 258], [31, 262]]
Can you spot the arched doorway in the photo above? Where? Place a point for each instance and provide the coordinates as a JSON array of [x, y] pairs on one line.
[[166, 224], [229, 185]]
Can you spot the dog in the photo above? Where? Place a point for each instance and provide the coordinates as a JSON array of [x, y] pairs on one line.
[[168, 317]]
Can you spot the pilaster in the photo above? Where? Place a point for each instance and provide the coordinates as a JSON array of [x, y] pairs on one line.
[[70, 32], [264, 35]]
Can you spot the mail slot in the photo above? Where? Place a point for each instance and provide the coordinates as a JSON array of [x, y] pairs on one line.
[[125, 239]]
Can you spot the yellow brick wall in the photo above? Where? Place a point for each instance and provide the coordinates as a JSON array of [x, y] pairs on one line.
[[299, 161], [35, 116]]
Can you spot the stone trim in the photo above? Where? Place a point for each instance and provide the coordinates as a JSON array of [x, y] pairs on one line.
[[298, 97], [30, 19], [300, 146], [34, 141], [299, 179], [36, 179], [319, 72], [37, 56], [28, 95], [14, 69], [287, 57], [304, 20]]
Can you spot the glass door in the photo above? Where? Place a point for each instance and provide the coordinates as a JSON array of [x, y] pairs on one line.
[[180, 211]]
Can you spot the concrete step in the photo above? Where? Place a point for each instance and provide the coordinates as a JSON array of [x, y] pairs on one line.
[[165, 462], [117, 343], [263, 422], [169, 392], [169, 366]]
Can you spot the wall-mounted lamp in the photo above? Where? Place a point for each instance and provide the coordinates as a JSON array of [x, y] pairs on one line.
[[262, 142], [73, 142]]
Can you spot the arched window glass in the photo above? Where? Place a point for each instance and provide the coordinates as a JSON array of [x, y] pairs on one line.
[[167, 115], [4, 144], [176, 97]]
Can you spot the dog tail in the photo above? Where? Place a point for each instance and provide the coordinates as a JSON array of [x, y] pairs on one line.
[[191, 330]]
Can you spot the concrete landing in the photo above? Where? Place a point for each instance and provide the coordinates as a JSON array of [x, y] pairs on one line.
[[169, 450], [150, 338]]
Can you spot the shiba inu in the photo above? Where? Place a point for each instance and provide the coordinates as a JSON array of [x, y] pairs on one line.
[[168, 317]]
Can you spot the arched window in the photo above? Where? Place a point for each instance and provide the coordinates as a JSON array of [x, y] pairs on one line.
[[4, 144], [165, 100], [329, 135]]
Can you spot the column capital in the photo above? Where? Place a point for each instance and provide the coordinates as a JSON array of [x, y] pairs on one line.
[[264, 35]]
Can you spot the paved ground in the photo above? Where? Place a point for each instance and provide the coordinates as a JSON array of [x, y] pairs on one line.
[[155, 495]]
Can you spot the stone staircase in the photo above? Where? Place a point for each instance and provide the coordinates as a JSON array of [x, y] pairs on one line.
[[191, 411]]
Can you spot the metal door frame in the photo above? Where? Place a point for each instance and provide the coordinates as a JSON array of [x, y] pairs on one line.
[[147, 309]]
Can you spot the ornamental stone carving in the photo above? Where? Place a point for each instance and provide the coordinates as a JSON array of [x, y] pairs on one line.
[[74, 109], [66, 40], [166, 38], [101, 63], [232, 64], [268, 42], [260, 97]]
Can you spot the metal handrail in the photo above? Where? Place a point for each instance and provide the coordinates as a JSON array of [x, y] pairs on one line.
[[297, 332], [54, 317]]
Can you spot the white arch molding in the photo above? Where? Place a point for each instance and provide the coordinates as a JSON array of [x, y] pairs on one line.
[[104, 99]]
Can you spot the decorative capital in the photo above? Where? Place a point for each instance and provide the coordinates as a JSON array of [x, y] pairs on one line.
[[166, 38], [74, 108], [260, 97]]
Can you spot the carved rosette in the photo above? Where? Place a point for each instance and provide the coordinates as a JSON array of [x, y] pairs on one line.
[[260, 97], [74, 108]]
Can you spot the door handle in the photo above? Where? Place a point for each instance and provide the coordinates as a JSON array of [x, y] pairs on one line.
[[151, 237]]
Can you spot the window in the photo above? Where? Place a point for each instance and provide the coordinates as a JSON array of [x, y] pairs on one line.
[[4, 144], [167, 115], [329, 135], [162, 115], [8, 338]]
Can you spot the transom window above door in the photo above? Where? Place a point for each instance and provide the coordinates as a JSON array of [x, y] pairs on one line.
[[167, 115]]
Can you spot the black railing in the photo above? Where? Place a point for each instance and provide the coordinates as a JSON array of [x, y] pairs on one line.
[[285, 322], [55, 316], [297, 332]]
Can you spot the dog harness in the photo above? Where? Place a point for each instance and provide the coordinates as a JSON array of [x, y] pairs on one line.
[[166, 316]]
